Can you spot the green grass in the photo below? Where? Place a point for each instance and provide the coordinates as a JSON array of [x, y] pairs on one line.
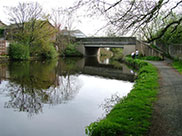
[[177, 64], [154, 58], [132, 115]]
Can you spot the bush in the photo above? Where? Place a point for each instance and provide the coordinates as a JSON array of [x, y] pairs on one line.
[[43, 50], [71, 51], [48, 52], [177, 64], [19, 51]]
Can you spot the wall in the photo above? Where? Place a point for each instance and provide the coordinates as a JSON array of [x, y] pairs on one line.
[[147, 50], [128, 49], [176, 51]]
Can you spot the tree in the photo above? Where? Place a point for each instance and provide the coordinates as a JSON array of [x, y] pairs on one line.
[[169, 38], [134, 15], [63, 18], [31, 27]]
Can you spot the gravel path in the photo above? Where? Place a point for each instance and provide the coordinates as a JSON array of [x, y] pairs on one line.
[[167, 115]]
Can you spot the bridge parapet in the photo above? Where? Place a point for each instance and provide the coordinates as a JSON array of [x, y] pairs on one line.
[[106, 41]]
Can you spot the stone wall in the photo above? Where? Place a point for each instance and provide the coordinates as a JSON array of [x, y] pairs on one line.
[[147, 50]]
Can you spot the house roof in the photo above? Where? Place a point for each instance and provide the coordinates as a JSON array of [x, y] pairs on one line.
[[74, 33]]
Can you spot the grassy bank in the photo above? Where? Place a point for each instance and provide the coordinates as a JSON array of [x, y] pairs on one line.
[[132, 115], [178, 65]]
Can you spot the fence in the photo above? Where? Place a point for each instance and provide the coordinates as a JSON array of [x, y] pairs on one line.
[[147, 50]]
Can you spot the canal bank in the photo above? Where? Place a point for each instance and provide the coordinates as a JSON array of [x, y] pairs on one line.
[[132, 115]]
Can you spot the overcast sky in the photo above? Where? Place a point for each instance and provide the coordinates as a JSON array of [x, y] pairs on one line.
[[86, 25]]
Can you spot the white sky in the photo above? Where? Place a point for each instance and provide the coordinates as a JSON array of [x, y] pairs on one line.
[[87, 25]]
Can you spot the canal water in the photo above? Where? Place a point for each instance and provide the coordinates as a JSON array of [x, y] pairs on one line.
[[59, 97]]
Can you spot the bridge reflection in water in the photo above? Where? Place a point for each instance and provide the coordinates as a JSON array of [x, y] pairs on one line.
[[119, 71]]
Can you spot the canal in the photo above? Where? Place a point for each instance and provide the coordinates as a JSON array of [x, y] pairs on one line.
[[59, 97]]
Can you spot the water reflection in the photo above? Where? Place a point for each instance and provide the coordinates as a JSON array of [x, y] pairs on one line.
[[30, 85], [69, 86], [109, 103]]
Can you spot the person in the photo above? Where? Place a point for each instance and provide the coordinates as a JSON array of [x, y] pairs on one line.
[[136, 53], [133, 55]]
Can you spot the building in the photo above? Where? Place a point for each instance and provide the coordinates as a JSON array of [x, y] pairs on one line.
[[73, 33], [3, 42]]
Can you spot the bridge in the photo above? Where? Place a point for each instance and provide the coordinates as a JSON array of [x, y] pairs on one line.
[[89, 46]]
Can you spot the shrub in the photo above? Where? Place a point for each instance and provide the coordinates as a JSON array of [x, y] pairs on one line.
[[19, 51], [71, 51], [177, 64], [48, 52], [44, 50]]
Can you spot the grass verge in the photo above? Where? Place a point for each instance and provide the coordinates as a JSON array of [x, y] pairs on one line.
[[132, 115], [177, 64]]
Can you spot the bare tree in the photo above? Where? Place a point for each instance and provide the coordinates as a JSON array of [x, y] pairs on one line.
[[24, 12], [134, 15], [63, 18]]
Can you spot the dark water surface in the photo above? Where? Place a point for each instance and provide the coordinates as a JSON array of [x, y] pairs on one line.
[[59, 97]]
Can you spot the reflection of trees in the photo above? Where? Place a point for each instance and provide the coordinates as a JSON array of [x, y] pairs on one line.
[[39, 75], [23, 98], [109, 103], [67, 90], [33, 84]]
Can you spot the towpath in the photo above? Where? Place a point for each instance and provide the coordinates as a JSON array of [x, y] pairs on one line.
[[167, 115]]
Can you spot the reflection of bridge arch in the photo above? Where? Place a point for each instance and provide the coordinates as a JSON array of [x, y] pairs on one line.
[[91, 66], [108, 73], [89, 46]]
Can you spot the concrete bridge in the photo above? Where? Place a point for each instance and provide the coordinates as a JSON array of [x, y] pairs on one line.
[[89, 46]]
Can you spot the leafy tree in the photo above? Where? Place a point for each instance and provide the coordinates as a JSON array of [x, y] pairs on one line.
[[18, 51], [170, 37], [30, 26]]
